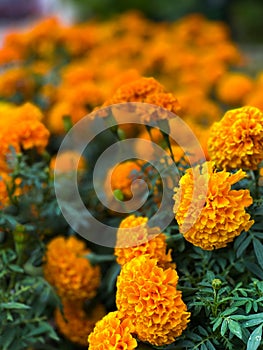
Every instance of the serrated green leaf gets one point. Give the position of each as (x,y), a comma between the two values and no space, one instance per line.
(255,339)
(258,249)
(235,328)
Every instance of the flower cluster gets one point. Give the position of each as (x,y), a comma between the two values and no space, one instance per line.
(129,293)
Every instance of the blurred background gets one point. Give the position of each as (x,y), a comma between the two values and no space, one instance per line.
(243,17)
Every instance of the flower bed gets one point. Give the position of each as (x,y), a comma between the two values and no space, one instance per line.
(159,127)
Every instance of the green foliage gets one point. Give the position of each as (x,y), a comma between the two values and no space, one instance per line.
(25,305)
(223,289)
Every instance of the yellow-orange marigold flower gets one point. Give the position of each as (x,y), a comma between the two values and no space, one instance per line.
(21,128)
(76,324)
(112,332)
(135,91)
(146,294)
(123,175)
(139,239)
(236,141)
(69,271)
(232,88)
(223,216)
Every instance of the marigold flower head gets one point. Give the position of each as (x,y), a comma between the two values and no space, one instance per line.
(223,216)
(112,332)
(135,238)
(236,141)
(147,295)
(123,175)
(21,128)
(146,90)
(16,80)
(136,91)
(76,324)
(233,87)
(69,271)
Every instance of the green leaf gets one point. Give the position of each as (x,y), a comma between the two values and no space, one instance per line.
(258,249)
(243,246)
(235,328)
(14,305)
(255,269)
(229,311)
(16,268)
(224,327)
(255,338)
(209,345)
(252,323)
(217,323)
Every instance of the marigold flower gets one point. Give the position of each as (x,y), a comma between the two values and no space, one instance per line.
(21,128)
(69,271)
(139,239)
(76,324)
(223,216)
(147,295)
(136,91)
(236,141)
(123,175)
(16,80)
(112,332)
(233,87)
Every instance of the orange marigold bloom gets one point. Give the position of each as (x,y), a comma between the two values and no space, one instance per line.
(69,271)
(223,216)
(236,141)
(16,80)
(147,90)
(139,239)
(112,332)
(76,324)
(136,91)
(165,100)
(147,295)
(21,128)
(232,88)
(123,175)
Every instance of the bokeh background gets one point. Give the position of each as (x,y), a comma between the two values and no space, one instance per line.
(243,17)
